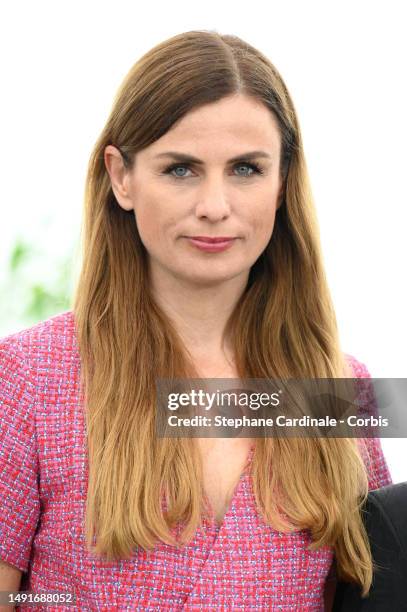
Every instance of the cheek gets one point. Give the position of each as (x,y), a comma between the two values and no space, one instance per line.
(153,222)
(146,221)
(262,221)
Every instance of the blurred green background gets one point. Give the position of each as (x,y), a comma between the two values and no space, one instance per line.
(34,284)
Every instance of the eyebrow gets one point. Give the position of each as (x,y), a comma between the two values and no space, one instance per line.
(184,157)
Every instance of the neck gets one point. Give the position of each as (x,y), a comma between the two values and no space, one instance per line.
(199,313)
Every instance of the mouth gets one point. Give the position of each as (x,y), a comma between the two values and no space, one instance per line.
(211,244)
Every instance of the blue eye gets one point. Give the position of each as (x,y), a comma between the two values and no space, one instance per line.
(171,168)
(255,169)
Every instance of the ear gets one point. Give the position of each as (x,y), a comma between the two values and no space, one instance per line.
(119,176)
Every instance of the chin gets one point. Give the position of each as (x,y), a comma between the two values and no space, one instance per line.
(212,277)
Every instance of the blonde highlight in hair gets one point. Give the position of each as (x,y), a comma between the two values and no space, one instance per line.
(141,487)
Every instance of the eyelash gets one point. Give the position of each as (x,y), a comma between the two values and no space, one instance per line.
(254,167)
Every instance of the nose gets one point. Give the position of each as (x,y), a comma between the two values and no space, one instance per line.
(212,203)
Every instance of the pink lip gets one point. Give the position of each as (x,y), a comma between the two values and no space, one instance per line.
(209,239)
(211,245)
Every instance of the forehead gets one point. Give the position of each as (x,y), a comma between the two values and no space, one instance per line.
(236,123)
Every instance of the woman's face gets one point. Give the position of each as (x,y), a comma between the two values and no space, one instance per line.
(230,190)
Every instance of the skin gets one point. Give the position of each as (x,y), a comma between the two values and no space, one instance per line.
(10,578)
(199,290)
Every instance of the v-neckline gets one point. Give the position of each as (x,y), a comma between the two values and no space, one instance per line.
(213,521)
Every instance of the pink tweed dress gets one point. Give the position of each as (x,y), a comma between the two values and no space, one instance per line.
(242,565)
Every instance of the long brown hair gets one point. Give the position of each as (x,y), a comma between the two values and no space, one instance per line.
(284,325)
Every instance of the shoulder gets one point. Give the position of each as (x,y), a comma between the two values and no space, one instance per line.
(58,328)
(40,355)
(358,368)
(43,342)
(370,448)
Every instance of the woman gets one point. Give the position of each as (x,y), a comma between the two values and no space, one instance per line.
(201,259)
